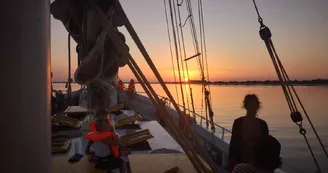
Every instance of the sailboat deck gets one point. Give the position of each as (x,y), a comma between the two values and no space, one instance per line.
(162,140)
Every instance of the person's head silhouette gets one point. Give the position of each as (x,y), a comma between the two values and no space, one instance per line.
(267,153)
(252,104)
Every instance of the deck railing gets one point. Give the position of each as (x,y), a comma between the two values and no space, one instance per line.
(220,131)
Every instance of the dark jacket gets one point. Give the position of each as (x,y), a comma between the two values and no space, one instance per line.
(235,148)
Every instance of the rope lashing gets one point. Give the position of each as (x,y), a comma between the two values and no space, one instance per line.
(296,116)
(210,110)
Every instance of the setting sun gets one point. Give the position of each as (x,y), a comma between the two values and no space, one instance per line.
(186,80)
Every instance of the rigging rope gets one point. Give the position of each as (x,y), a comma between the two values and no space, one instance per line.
(69,79)
(196,46)
(204,42)
(202,60)
(194,35)
(177,54)
(169,36)
(184,54)
(206,87)
(296,116)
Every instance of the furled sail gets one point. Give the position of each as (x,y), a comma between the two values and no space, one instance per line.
(101,62)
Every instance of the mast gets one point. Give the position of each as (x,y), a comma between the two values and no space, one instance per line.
(25,86)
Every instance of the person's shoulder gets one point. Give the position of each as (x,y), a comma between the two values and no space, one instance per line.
(239,119)
(262,121)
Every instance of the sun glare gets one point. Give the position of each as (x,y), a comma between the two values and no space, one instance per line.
(186,79)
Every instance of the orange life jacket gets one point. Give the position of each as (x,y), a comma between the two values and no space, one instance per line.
(131,86)
(121,86)
(93,124)
(99,136)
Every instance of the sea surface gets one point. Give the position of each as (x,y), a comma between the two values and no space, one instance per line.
(227,106)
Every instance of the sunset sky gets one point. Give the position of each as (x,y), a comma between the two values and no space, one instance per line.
(235,49)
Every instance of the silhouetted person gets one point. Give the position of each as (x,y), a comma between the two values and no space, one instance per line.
(121,92)
(131,91)
(246,131)
(266,157)
(121,86)
(132,86)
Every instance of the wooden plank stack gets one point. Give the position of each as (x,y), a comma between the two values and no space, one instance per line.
(136,137)
(60,147)
(115,107)
(127,120)
(76,112)
(66,121)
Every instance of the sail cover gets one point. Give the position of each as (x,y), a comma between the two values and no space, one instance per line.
(76,16)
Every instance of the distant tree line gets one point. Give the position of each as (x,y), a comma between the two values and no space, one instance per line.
(251,82)
(266,82)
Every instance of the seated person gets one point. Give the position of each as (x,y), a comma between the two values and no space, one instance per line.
(100,113)
(131,91)
(266,157)
(121,85)
(106,145)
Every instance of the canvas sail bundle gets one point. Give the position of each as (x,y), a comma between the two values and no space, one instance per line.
(101,62)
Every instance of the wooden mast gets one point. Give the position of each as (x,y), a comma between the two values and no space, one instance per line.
(25,86)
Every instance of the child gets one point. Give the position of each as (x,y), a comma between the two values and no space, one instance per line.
(100,113)
(106,145)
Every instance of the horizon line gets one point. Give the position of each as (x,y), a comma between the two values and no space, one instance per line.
(221,81)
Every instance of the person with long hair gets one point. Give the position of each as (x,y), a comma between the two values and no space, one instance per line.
(246,131)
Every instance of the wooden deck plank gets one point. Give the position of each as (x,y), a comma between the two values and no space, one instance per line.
(60,164)
(160,163)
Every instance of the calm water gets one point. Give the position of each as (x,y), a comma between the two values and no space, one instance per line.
(227,105)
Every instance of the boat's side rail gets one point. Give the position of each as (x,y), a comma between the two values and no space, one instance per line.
(221,132)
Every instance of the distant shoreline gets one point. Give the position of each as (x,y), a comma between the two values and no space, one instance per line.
(314,82)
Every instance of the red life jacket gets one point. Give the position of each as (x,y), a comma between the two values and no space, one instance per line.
(93,124)
(97,136)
